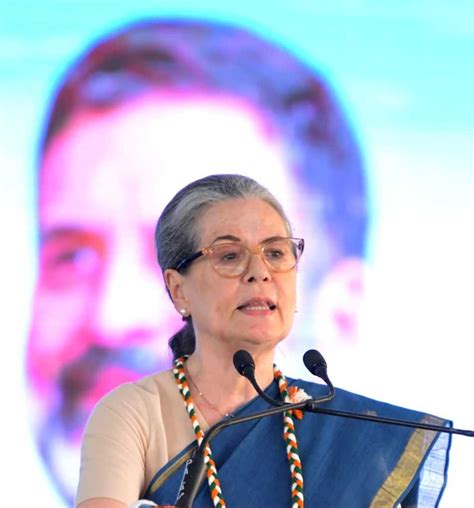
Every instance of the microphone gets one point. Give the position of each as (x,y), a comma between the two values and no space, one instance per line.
(314,361)
(316,364)
(244,364)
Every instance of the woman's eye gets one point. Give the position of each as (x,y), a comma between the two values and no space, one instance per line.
(230,256)
(275,253)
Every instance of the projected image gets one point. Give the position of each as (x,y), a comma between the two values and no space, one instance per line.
(143,112)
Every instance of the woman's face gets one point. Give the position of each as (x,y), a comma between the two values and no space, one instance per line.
(255,309)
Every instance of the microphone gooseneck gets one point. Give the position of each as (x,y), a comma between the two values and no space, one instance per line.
(316,364)
(245,366)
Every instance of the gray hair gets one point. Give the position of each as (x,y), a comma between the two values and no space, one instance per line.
(176,234)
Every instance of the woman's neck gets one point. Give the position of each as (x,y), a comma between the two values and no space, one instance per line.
(217,388)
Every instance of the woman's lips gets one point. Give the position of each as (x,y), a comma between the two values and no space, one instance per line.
(257,305)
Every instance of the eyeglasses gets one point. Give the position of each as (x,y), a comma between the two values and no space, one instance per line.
(232,259)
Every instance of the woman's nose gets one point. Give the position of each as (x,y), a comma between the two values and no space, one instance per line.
(257,269)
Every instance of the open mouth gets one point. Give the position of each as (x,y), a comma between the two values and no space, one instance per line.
(257,304)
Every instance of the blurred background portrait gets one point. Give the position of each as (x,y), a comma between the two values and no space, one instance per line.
(143,111)
(358,116)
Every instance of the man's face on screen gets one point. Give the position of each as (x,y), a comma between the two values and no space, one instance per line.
(101,315)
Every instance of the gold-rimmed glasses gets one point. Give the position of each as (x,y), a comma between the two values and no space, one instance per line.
(232,259)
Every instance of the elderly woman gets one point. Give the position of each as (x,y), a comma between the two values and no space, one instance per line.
(229,261)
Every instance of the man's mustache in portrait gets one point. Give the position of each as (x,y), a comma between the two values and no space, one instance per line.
(84,381)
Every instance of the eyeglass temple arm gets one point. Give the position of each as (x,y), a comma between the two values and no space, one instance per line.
(185,262)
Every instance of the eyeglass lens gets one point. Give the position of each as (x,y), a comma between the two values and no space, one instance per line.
(232,258)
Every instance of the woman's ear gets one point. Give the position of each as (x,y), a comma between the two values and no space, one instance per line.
(175,282)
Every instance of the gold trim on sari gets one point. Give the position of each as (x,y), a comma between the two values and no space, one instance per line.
(169,471)
(407,466)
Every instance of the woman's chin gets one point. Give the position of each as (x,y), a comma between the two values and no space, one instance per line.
(261,338)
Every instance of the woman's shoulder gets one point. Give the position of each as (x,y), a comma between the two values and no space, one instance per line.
(152,384)
(139,394)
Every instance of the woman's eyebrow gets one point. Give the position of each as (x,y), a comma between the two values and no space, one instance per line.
(272,238)
(231,238)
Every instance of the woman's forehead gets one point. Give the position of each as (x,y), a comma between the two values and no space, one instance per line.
(250,220)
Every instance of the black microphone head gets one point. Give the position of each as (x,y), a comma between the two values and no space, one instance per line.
(315,363)
(243,362)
